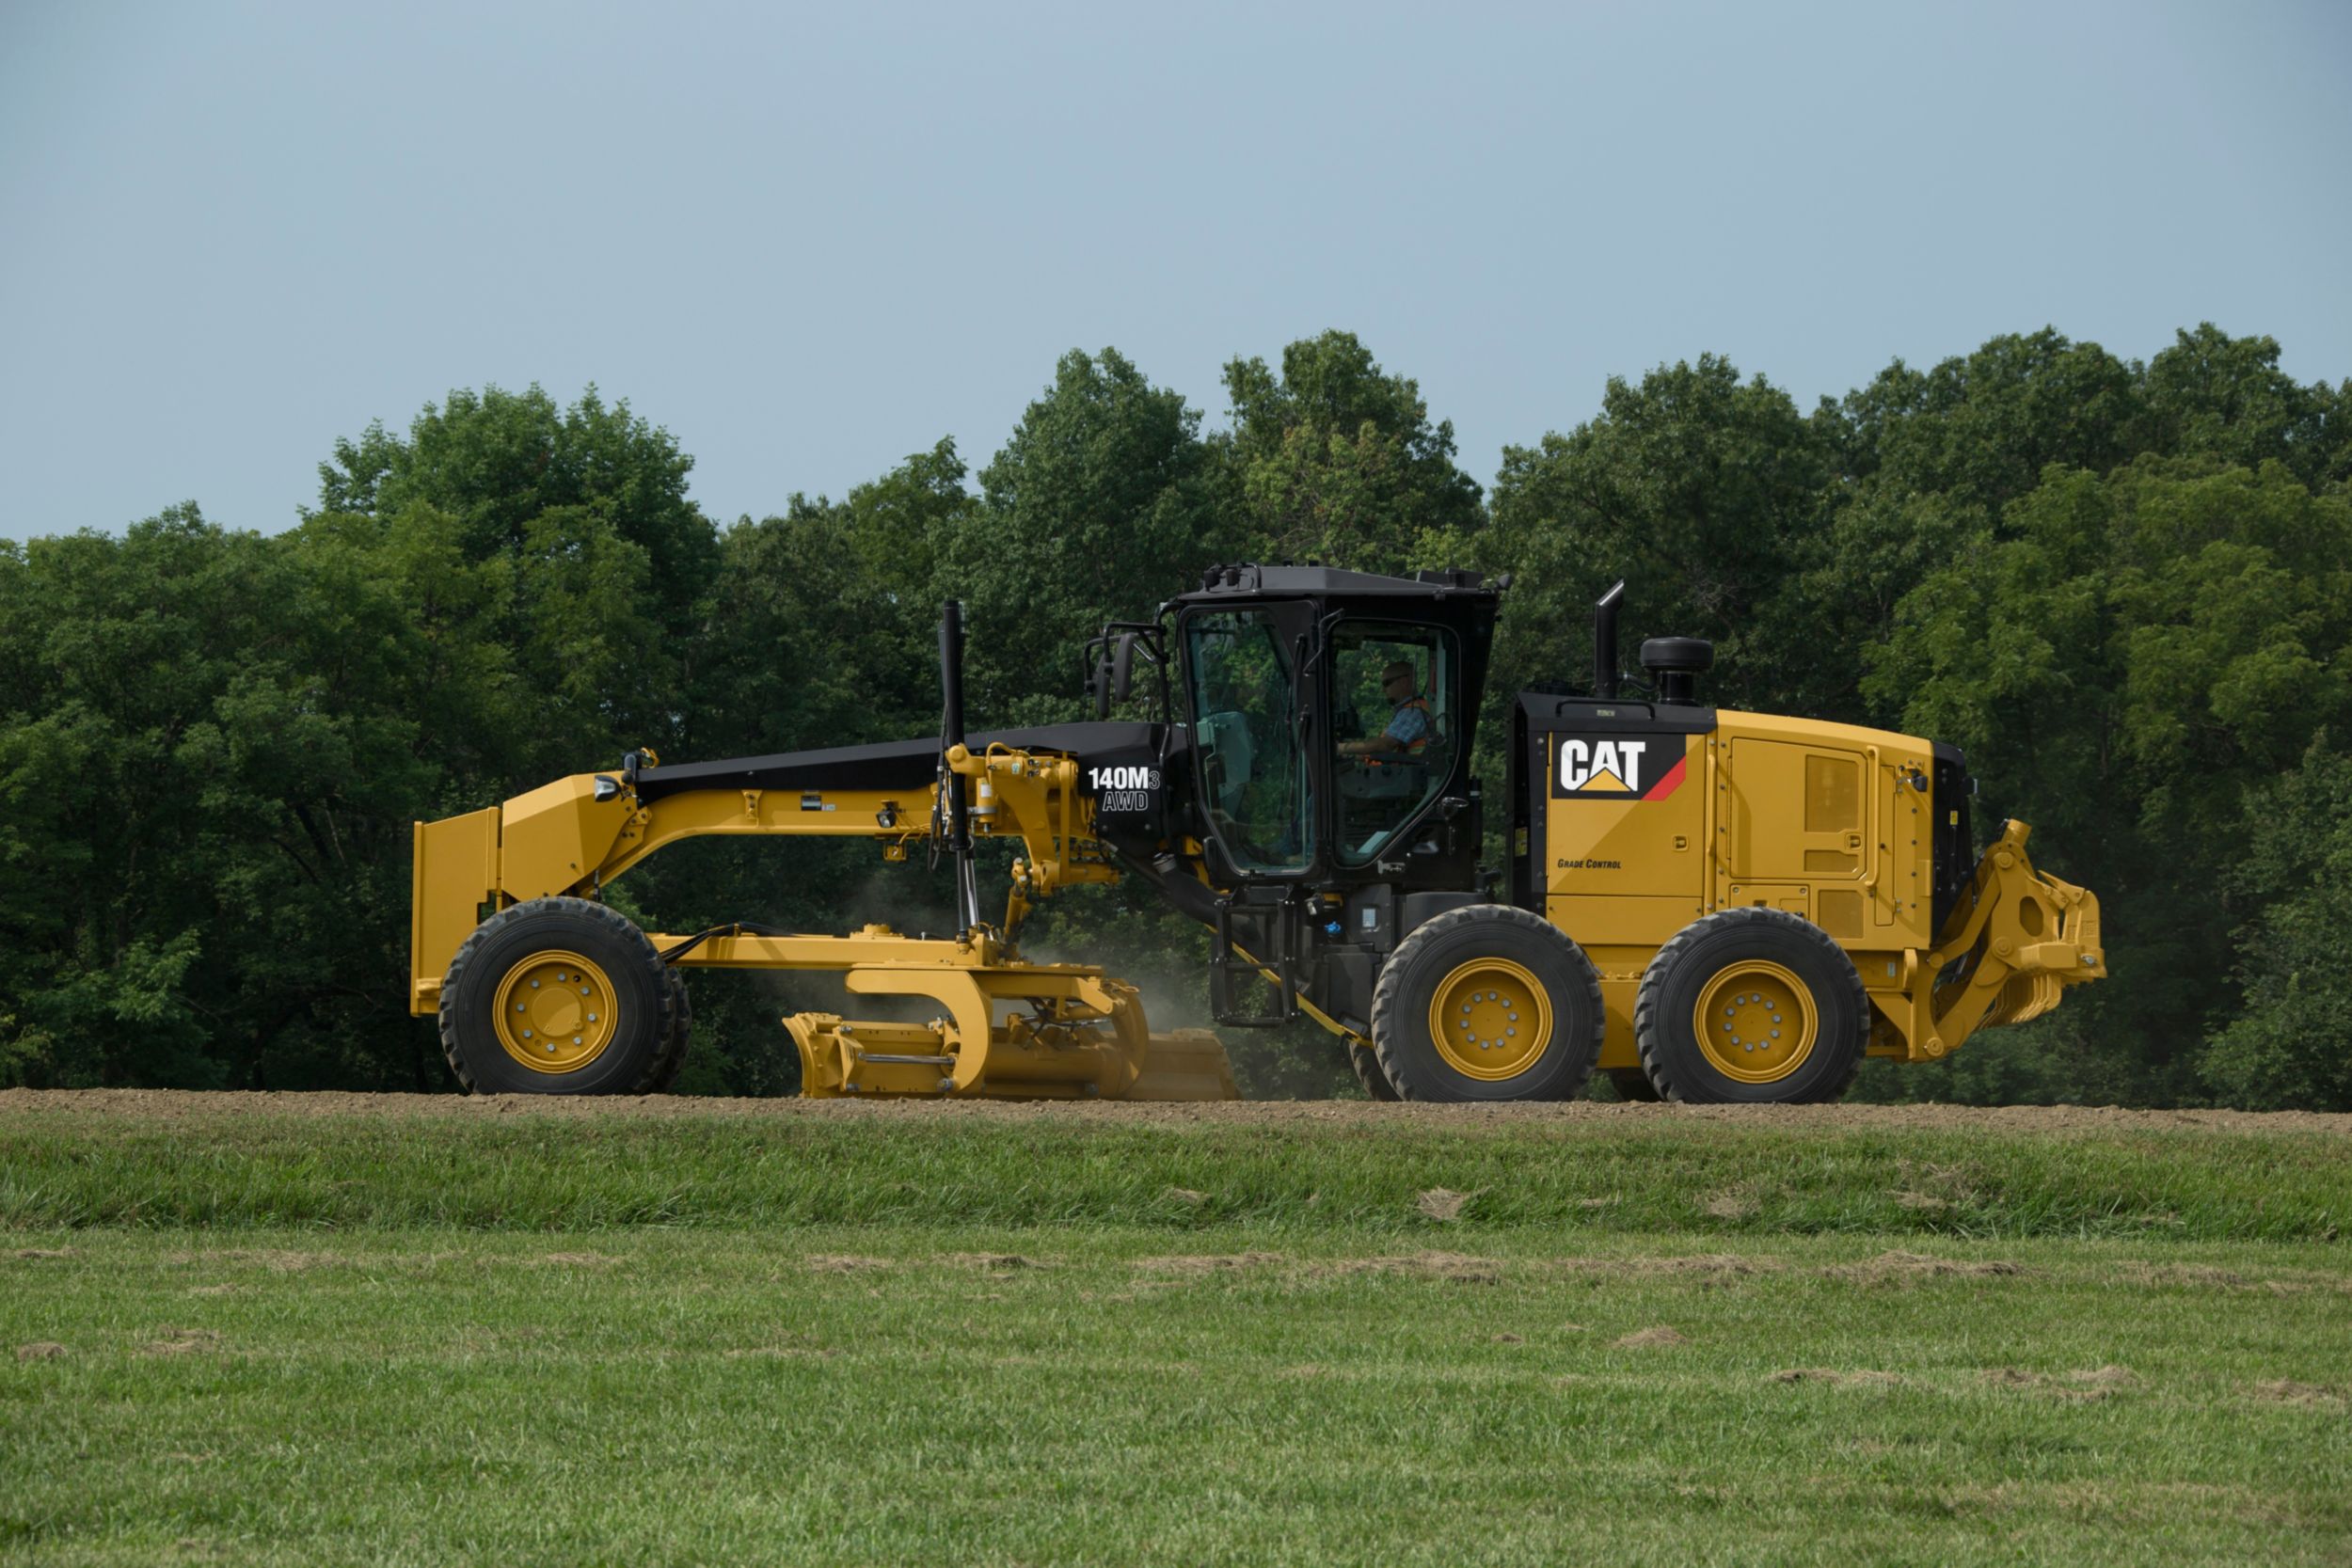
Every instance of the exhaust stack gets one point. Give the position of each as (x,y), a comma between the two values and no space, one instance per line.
(1605,642)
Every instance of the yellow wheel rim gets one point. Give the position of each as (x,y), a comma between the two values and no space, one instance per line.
(1491,1019)
(1756,1022)
(555,1012)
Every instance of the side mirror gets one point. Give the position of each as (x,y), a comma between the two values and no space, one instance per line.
(1114,674)
(1123,666)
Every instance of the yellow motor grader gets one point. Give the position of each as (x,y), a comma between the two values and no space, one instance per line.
(1706,906)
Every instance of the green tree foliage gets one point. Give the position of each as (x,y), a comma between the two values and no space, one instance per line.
(1981,429)
(2134,652)
(1335,460)
(576,525)
(2291,1045)
(206,768)
(1101,504)
(2126,589)
(824,618)
(505,464)
(1924,462)
(2216,396)
(1704,490)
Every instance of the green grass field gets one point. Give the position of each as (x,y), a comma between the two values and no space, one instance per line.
(327,1330)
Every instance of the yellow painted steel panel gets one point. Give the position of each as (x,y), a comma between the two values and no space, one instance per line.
(1833,793)
(1838,912)
(1621,922)
(1647,844)
(556,836)
(453,872)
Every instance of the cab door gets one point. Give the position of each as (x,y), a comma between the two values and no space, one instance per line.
(1243,689)
(1395,738)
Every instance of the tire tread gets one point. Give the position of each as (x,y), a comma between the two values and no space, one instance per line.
(1370,1074)
(1385,995)
(1663,963)
(666,986)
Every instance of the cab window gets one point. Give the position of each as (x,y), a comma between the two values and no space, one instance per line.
(1245,735)
(1392,700)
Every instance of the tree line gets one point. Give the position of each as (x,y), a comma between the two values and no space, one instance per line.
(2123,587)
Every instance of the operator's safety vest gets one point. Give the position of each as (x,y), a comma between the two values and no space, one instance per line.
(1414,747)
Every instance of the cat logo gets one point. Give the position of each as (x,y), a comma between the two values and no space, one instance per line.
(1617,767)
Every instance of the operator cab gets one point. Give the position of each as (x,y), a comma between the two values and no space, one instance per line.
(1330,717)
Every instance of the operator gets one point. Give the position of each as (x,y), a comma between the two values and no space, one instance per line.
(1409,726)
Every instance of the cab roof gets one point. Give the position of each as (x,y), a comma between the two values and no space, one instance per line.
(1251,580)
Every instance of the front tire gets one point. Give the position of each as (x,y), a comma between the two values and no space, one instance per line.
(558,996)
(1367,1065)
(1487,1001)
(1750,1006)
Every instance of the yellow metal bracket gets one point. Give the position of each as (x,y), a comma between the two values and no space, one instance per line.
(2017,940)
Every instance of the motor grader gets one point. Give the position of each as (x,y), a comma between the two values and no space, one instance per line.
(1706,906)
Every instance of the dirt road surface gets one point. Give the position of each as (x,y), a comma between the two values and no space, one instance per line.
(2055,1120)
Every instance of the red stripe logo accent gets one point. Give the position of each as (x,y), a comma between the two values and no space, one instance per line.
(1667,785)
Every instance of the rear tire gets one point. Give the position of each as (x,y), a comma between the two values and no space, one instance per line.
(1830,1094)
(1487,1001)
(558,996)
(1750,1006)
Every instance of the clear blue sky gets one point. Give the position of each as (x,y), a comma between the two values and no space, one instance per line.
(811,240)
